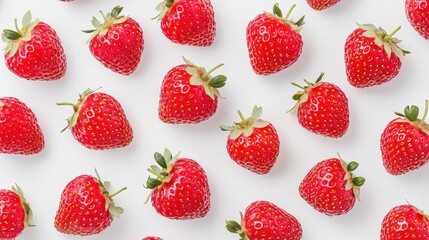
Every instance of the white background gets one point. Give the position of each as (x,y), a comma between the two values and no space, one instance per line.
(43,176)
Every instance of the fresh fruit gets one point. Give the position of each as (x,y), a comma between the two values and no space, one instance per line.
(330,186)
(322,4)
(405,222)
(417,12)
(189,94)
(322,108)
(86,206)
(15,213)
(19,131)
(152,238)
(117,42)
(180,189)
(372,57)
(253,143)
(273,41)
(265,220)
(34,52)
(404,142)
(188,22)
(99,122)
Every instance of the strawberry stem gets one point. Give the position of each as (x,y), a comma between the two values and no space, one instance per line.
(426,110)
(116,193)
(290,11)
(241,115)
(212,70)
(17,27)
(392,33)
(299,86)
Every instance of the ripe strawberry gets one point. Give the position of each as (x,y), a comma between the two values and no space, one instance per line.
(265,220)
(189,94)
(86,206)
(322,108)
(405,222)
(15,213)
(253,143)
(19,131)
(117,42)
(152,238)
(180,189)
(99,122)
(404,142)
(322,4)
(368,56)
(274,42)
(34,52)
(188,22)
(330,187)
(417,12)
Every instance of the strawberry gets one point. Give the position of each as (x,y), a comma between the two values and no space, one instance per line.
(368,56)
(330,186)
(117,42)
(34,52)
(189,94)
(19,131)
(273,42)
(15,213)
(322,108)
(265,220)
(405,222)
(322,4)
(188,22)
(417,12)
(180,189)
(404,142)
(152,238)
(99,122)
(86,206)
(253,143)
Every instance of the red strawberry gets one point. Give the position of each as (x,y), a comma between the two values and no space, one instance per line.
(180,189)
(274,42)
(19,131)
(265,220)
(418,15)
(117,42)
(253,143)
(330,187)
(99,122)
(15,213)
(188,22)
(405,222)
(322,108)
(152,238)
(368,56)
(404,142)
(86,206)
(34,52)
(322,4)
(189,94)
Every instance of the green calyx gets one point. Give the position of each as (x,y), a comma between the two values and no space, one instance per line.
(411,113)
(297,26)
(235,227)
(71,121)
(109,19)
(352,182)
(166,162)
(14,38)
(382,39)
(28,212)
(163,8)
(199,76)
(110,204)
(302,95)
(246,125)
